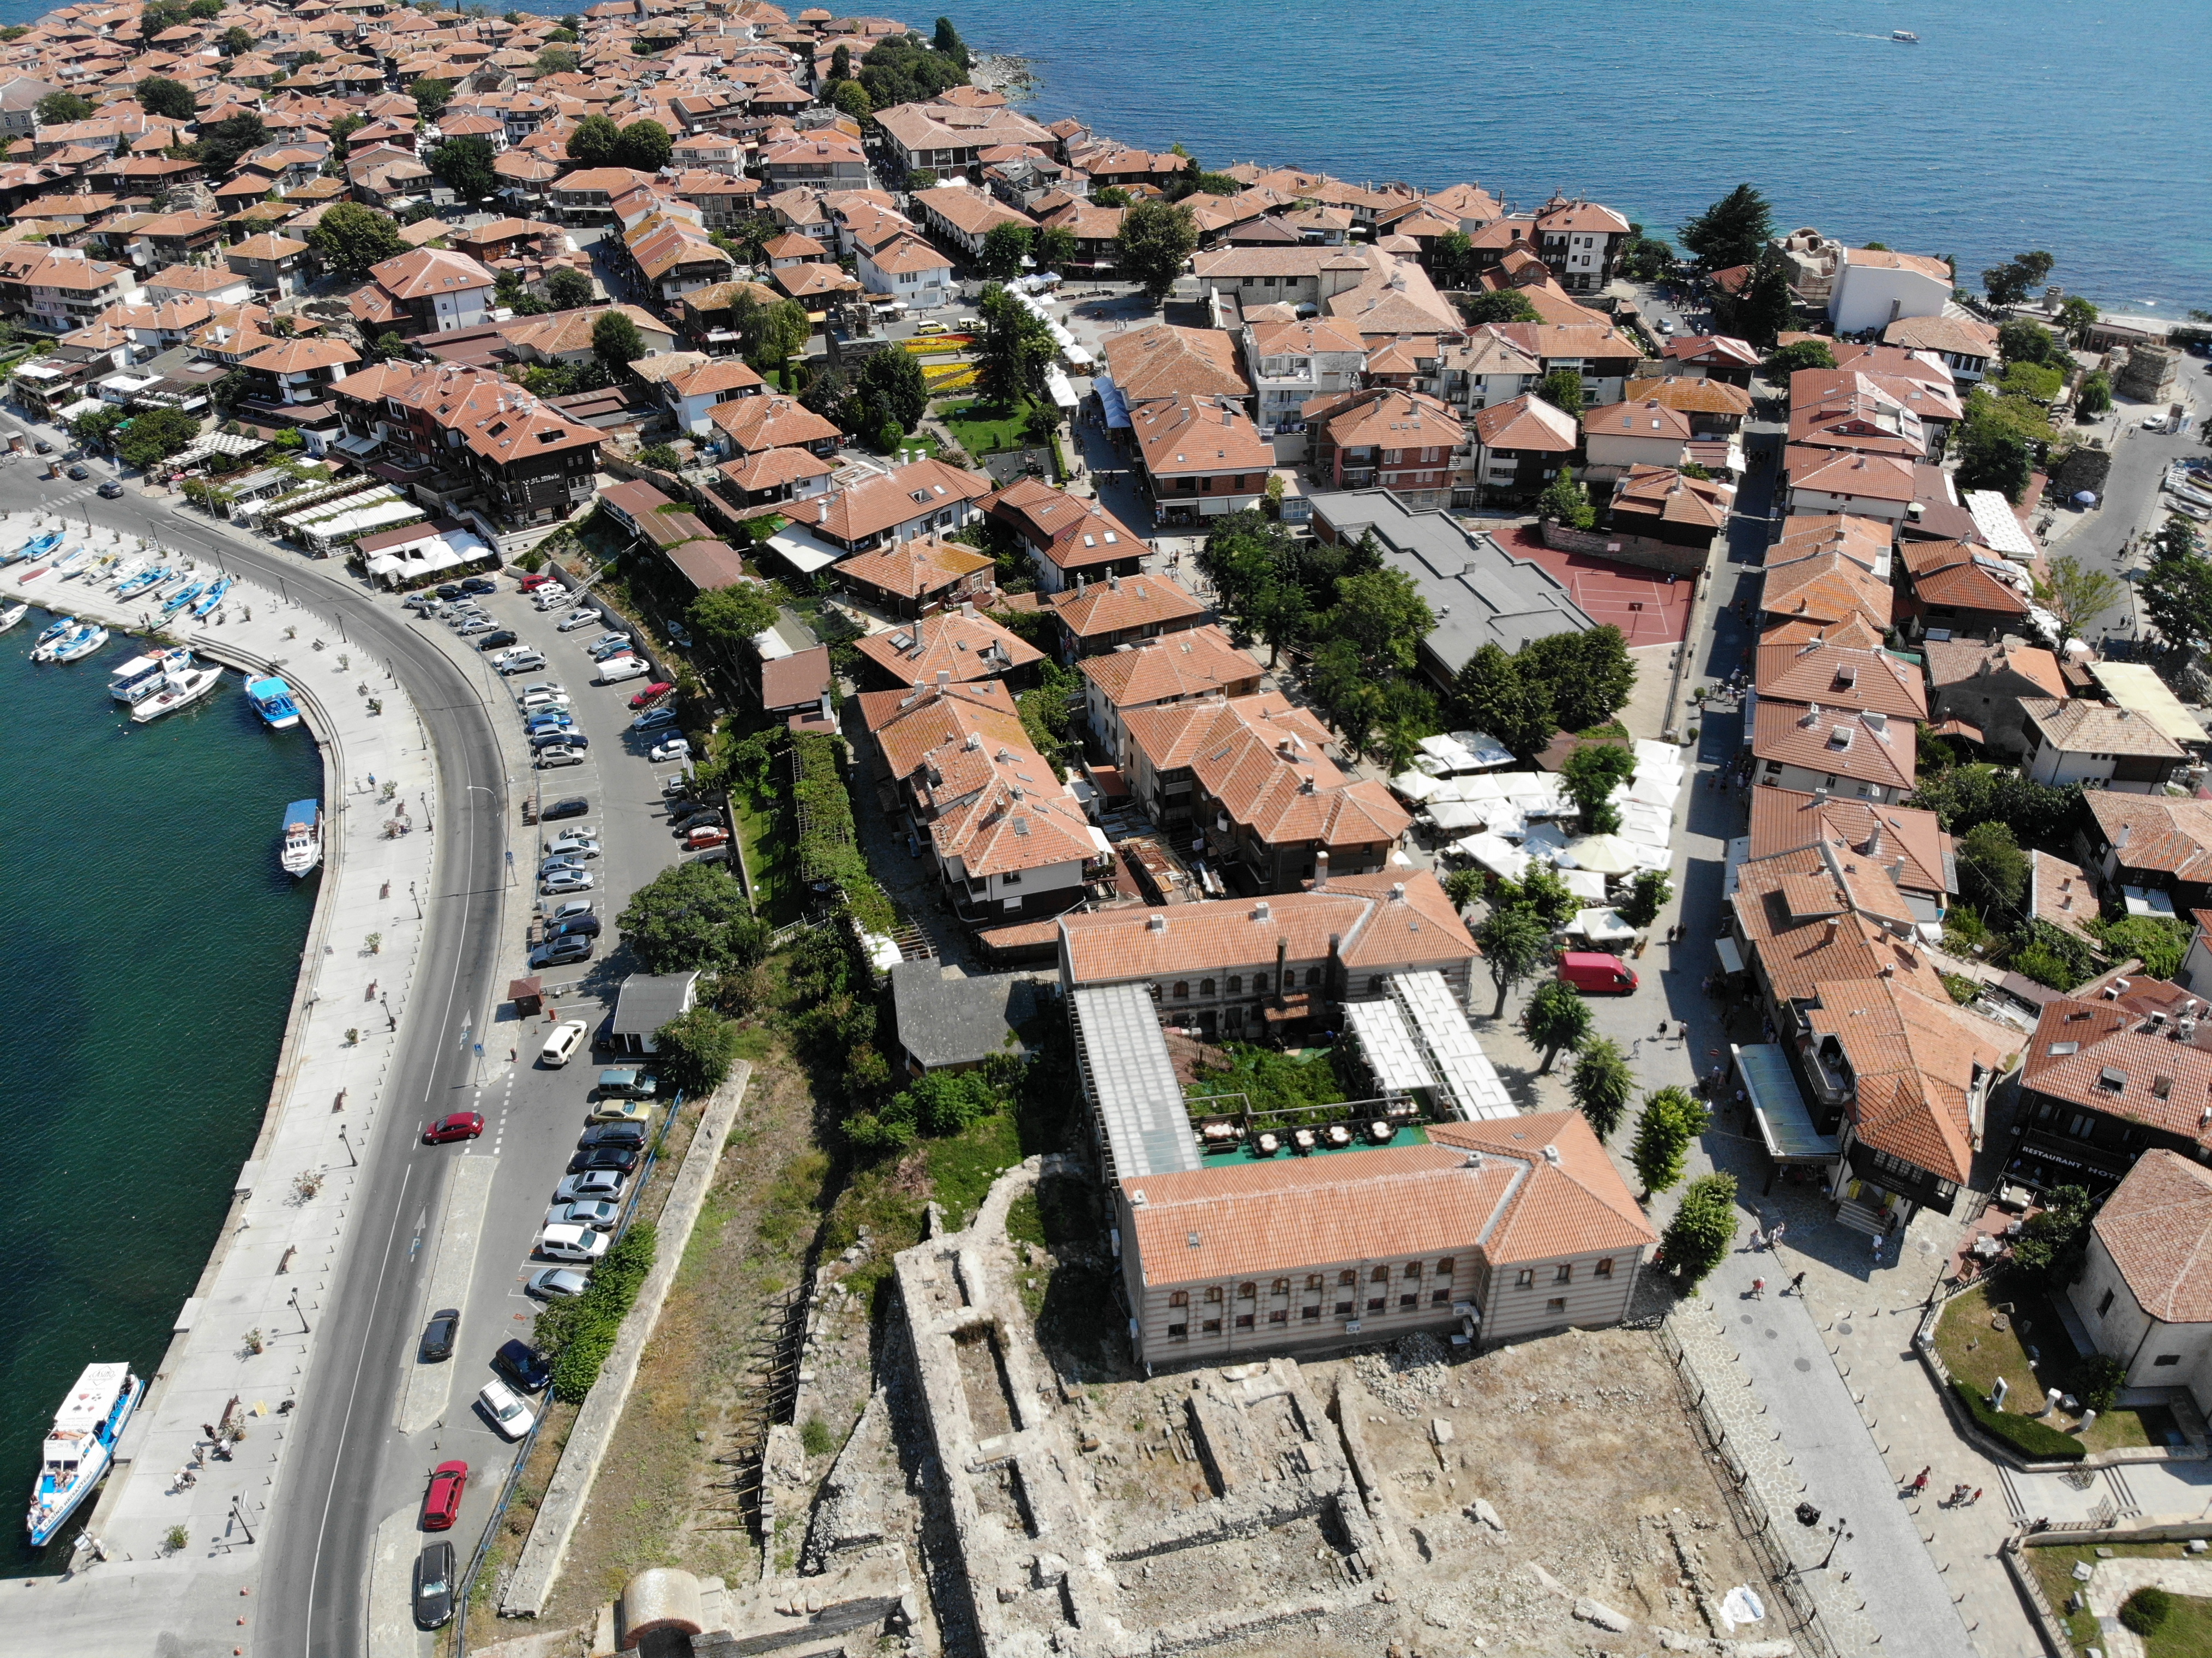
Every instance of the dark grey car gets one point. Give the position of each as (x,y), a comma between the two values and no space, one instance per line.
(438,1335)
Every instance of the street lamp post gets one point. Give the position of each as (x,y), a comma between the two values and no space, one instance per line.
(296,1313)
(1836,1535)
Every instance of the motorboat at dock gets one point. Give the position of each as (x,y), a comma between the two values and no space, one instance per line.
(302,846)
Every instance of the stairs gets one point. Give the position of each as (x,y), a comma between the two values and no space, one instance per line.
(1860,1218)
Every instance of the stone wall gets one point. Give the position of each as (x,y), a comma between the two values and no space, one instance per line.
(2149,375)
(1624,549)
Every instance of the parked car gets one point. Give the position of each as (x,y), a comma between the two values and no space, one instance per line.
(43,448)
(545,688)
(547,865)
(680,634)
(578,840)
(622,668)
(675,749)
(1596,973)
(574,741)
(624,1159)
(707,835)
(476,625)
(522,1364)
(583,618)
(479,584)
(652,720)
(450,591)
(508,1413)
(495,640)
(111,491)
(551,719)
(580,926)
(566,1038)
(613,1110)
(434,1586)
(574,807)
(599,1215)
(611,1133)
(460,1126)
(606,641)
(548,759)
(676,788)
(525,663)
(555,1284)
(568,909)
(441,1502)
(684,821)
(567,1242)
(438,1335)
(559,952)
(592,1186)
(79,473)
(628,1083)
(532,580)
(569,879)
(652,693)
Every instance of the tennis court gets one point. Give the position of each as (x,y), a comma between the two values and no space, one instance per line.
(1643,604)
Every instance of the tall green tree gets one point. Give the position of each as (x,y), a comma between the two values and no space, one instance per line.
(892,383)
(947,43)
(2076,316)
(1765,306)
(615,339)
(1492,694)
(159,95)
(431,97)
(557,60)
(1702,1229)
(236,41)
(1451,259)
(1601,1084)
(1557,1016)
(2011,282)
(1515,944)
(1587,677)
(1991,458)
(1155,239)
(594,142)
(2093,397)
(1784,361)
(1056,248)
(1016,348)
(1735,230)
(730,618)
(1992,869)
(1671,1120)
(1563,500)
(1004,246)
(693,917)
(62,109)
(851,98)
(464,166)
(1591,772)
(1562,389)
(2177,596)
(156,435)
(222,142)
(1647,895)
(2077,594)
(643,147)
(351,238)
(697,1050)
(1382,615)
(568,290)
(1505,305)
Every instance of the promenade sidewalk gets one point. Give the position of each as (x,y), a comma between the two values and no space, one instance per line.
(281,1240)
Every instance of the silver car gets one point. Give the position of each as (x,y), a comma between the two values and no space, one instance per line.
(581,619)
(599,1213)
(475,624)
(555,1284)
(594,1186)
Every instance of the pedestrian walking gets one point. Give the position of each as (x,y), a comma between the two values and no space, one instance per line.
(1774,1237)
(1877,1249)
(1757,1238)
(1975,1499)
(1920,1479)
(1759,1288)
(1797,1286)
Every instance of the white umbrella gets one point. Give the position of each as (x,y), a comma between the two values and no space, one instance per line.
(1452,814)
(1415,786)
(1545,841)
(1479,787)
(1600,923)
(1583,883)
(1497,856)
(1609,854)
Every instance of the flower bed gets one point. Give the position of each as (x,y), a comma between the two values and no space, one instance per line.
(934,345)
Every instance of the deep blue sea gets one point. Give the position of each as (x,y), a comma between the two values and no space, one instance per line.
(2079,126)
(152,945)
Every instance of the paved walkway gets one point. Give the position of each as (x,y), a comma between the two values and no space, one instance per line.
(262,1287)
(2111,1583)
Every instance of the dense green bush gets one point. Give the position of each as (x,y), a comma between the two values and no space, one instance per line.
(2146,1609)
(581,1333)
(2030,1438)
(828,850)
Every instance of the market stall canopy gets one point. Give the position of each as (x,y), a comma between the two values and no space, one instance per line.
(1601,926)
(1584,884)
(1609,854)
(1497,856)
(1454,815)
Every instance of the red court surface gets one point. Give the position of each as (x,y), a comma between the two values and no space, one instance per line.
(1640,603)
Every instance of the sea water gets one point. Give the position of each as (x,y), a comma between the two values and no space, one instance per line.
(149,947)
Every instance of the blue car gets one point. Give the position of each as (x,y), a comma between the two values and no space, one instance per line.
(479,584)
(548,722)
(571,739)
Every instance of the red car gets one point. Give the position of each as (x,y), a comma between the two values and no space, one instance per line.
(707,835)
(532,582)
(441,1504)
(652,693)
(461,1125)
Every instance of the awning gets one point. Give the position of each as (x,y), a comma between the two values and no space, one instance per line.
(1731,957)
(1111,404)
(1957,728)
(352,443)
(2147,901)
(1099,843)
(1779,1109)
(1058,388)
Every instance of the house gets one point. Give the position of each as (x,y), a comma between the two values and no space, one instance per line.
(1192,665)
(646,1002)
(1164,361)
(1066,536)
(1958,591)
(1104,615)
(948,138)
(691,392)
(906,267)
(2096,745)
(1906,841)
(1838,676)
(2152,844)
(1826,481)
(956,642)
(299,371)
(797,686)
(1096,230)
(427,291)
(565,336)
(1716,409)
(1520,446)
(276,265)
(67,288)
(1870,412)
(2063,894)
(2105,1082)
(746,426)
(1818,747)
(1980,685)
(912,576)
(1667,508)
(2145,1289)
(1621,435)
(1965,345)
(2137,686)
(1874,286)
(1580,241)
(1291,363)
(1293,275)
(949,1021)
(823,155)
(873,504)
(216,284)
(1490,367)
(963,215)
(768,476)
(1201,457)
(1712,356)
(1402,441)
(587,196)
(1513,1230)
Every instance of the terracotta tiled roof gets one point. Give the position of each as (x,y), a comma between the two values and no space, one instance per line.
(1952,573)
(1195,662)
(1023,820)
(1833,675)
(1789,820)
(1301,338)
(2170,836)
(768,469)
(1957,661)
(1284,793)
(1856,476)
(2080,726)
(1865,541)
(1384,418)
(966,647)
(1697,396)
(2063,894)
(1962,336)
(880,501)
(1826,588)
(915,568)
(770,423)
(1868,748)
(1884,258)
(1074,531)
(909,726)
(296,356)
(1916,1061)
(2112,1059)
(2157,1227)
(1170,736)
(1671,496)
(1646,417)
(1122,604)
(1184,435)
(1799,953)
(428,271)
(1160,361)
(1528,423)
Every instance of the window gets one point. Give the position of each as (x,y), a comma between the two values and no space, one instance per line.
(1211,1327)
(1408,1303)
(1213,1292)
(1313,978)
(1279,1315)
(2167,1358)
(1444,1267)
(1178,1331)
(1012,878)
(1380,1275)
(1556,1304)
(1182,990)
(2081,1124)
(1205,986)
(1236,984)
(1244,1321)
(1603,1268)
(1313,1280)
(1439,1298)
(2105,1303)
(1344,1309)
(1312,1314)
(1180,1298)
(1246,1290)
(1374,984)
(1281,1286)
(1525,1279)
(1347,1276)
(1259,984)
(1377,1303)
(1563,1274)
(1412,1269)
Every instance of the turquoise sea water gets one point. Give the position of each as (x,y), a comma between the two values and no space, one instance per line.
(149,946)
(2081,127)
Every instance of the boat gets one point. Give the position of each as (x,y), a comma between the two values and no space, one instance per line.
(185,596)
(80,645)
(12,615)
(141,582)
(50,650)
(210,599)
(57,631)
(36,547)
(1904,35)
(303,837)
(183,685)
(141,675)
(273,700)
(81,1445)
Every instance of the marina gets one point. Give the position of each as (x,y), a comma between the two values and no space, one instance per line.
(272,700)
(80,1445)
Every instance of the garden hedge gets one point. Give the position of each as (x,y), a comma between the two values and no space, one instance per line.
(2030,1438)
(584,1328)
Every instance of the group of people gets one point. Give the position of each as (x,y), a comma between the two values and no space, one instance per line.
(1963,1496)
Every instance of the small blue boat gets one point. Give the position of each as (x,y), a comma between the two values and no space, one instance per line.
(212,597)
(142,580)
(37,547)
(273,700)
(54,633)
(171,606)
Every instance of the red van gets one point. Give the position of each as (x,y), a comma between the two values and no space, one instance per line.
(1597,974)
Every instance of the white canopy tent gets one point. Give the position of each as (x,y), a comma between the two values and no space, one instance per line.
(1497,856)
(1601,926)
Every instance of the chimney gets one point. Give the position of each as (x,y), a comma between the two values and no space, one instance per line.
(1114,580)
(1551,1156)
(1282,966)
(1078,584)
(943,680)
(1320,869)
(1263,911)
(1156,922)
(1398,892)
(825,709)
(2120,840)
(1835,926)
(1872,847)
(967,609)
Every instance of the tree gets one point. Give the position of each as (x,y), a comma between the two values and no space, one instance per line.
(2011,282)
(1765,306)
(393,347)
(1515,944)
(1702,1230)
(1591,772)
(2175,538)
(1601,1084)
(1645,258)
(769,333)
(557,60)
(1383,617)
(2159,942)
(1993,459)
(1587,677)
(1155,239)
(693,917)
(840,63)
(567,289)
(697,1050)
(1786,360)
(2177,596)
(60,108)
(1005,247)
(2077,594)
(1506,305)
(594,142)
(730,618)
(351,238)
(156,435)
(1492,696)
(1992,869)
(1647,895)
(947,43)
(1733,231)
(851,98)
(1464,886)
(1562,389)
(615,339)
(2076,316)
(95,429)
(644,147)
(1671,1120)
(224,141)
(2053,1242)
(2093,397)
(1557,1016)
(431,97)
(892,383)
(1565,502)
(236,41)
(463,165)
(1056,248)
(2020,340)
(1015,350)
(1451,259)
(159,95)
(902,69)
